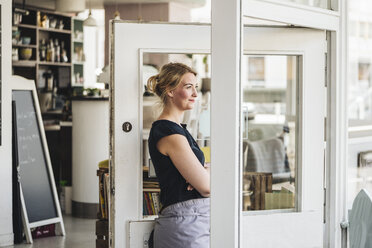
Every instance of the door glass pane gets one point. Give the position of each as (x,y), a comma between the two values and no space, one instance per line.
(269,116)
(197,119)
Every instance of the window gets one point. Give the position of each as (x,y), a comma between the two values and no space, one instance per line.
(94,44)
(270,116)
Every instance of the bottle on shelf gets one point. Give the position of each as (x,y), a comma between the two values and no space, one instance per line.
(54,93)
(51,52)
(64,57)
(44,21)
(57,51)
(48,80)
(43,50)
(38,19)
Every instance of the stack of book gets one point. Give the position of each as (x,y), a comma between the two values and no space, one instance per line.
(102,231)
(151,192)
(104,190)
(151,203)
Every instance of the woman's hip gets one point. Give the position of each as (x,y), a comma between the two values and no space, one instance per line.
(184,224)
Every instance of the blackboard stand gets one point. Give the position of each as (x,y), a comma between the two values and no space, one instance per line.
(38,193)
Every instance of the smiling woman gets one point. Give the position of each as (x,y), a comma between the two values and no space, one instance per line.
(179,163)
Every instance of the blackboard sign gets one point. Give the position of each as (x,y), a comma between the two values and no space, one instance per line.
(36,185)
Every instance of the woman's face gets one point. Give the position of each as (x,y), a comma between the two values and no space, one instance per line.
(184,96)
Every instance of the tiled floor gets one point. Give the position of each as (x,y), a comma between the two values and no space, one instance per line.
(80,233)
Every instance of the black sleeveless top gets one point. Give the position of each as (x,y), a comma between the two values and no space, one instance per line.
(173,187)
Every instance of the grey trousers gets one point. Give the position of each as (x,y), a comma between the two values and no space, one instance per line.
(184,225)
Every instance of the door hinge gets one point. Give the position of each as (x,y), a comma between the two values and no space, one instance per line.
(325,70)
(325,128)
(344,225)
(325,206)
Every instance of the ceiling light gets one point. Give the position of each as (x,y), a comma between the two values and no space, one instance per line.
(90,21)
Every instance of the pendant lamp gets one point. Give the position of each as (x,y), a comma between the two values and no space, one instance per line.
(90,21)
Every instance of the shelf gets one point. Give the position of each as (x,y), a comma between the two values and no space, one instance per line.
(78,41)
(54,63)
(53,112)
(78,62)
(52,127)
(26,46)
(24,63)
(151,190)
(150,217)
(54,30)
(25,26)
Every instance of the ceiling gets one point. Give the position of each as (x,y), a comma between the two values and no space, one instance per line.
(98,4)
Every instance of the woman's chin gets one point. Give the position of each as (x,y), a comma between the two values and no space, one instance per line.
(190,106)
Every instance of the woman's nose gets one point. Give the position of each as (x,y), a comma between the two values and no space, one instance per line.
(195,92)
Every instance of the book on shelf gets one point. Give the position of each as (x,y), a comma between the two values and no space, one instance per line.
(107,192)
(156,200)
(151,203)
(103,192)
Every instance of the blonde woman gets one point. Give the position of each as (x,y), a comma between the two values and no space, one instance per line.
(179,163)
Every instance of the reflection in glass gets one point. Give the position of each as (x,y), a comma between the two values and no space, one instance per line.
(197,119)
(269,114)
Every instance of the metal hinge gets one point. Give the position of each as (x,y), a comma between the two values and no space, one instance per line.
(325,70)
(325,206)
(344,225)
(325,128)
(113,191)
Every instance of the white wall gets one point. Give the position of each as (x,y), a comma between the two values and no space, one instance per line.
(6,225)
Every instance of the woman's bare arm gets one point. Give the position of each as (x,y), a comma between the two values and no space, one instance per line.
(178,149)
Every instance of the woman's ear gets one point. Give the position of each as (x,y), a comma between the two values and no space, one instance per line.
(170,93)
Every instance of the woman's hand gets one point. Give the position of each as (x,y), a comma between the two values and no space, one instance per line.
(189,187)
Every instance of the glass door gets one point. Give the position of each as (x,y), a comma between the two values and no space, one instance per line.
(283,111)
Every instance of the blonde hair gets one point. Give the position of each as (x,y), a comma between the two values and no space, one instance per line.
(168,79)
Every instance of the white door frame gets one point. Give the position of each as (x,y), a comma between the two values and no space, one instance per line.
(227,19)
(125,172)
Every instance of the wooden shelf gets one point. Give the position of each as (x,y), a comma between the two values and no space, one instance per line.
(24,63)
(78,62)
(54,63)
(53,112)
(31,27)
(23,45)
(150,217)
(54,30)
(25,26)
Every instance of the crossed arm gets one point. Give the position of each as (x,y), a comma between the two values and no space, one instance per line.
(178,149)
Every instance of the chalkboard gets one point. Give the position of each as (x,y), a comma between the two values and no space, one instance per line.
(35,179)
